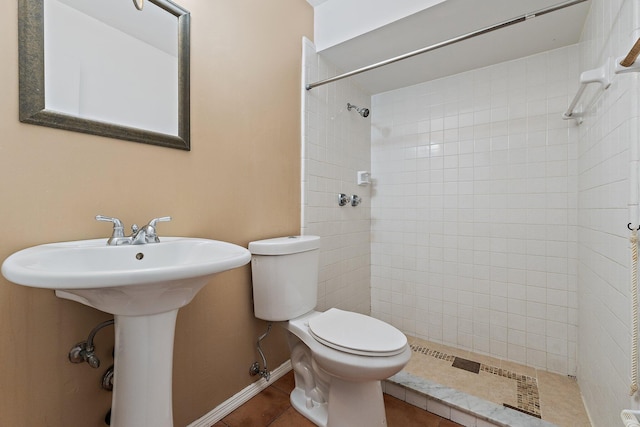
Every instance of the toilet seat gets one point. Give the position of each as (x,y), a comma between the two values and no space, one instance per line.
(356,333)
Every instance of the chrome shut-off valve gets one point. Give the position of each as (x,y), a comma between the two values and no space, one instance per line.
(355,200)
(82,352)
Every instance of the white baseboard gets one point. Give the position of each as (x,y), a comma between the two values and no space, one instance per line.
(235,401)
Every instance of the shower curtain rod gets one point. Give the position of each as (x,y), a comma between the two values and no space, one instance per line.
(454,40)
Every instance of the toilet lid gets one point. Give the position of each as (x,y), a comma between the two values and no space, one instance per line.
(356,333)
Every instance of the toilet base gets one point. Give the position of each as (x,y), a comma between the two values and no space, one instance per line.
(353,404)
(317,413)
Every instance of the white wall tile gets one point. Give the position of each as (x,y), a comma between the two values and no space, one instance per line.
(416,399)
(509,178)
(602,269)
(463,418)
(395,390)
(439,408)
(336,144)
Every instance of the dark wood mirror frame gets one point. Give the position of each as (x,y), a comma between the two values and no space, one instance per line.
(32,82)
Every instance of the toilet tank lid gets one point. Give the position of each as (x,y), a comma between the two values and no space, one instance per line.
(284,245)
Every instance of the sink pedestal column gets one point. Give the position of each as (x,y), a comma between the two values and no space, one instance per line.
(143,369)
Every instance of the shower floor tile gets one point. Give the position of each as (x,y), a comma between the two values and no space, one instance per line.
(551,397)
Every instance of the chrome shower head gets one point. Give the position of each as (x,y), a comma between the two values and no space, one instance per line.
(364,112)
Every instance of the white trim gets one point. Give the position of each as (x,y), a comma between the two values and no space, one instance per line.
(235,401)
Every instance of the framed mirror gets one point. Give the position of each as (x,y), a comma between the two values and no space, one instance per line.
(106,68)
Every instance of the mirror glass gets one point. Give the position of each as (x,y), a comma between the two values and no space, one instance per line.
(106,68)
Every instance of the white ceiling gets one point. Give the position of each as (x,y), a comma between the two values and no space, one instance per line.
(445,21)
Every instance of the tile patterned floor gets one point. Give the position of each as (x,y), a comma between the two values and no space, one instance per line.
(551,397)
(272,408)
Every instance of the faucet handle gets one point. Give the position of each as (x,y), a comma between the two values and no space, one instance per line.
(151,236)
(154,221)
(118,228)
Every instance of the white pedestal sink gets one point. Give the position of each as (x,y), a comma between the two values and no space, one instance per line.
(143,286)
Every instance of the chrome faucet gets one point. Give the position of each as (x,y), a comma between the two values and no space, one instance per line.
(139,236)
(147,234)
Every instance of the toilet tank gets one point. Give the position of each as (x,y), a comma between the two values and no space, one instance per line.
(285,276)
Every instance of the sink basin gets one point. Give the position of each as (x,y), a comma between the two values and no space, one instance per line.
(143,286)
(127,280)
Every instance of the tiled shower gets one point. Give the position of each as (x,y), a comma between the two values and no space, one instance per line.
(492,224)
(474,221)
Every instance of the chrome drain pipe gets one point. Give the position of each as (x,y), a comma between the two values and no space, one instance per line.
(107,379)
(255,367)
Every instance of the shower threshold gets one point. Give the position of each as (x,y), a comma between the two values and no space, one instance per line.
(456,405)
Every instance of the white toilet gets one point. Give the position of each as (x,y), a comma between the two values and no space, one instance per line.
(338,357)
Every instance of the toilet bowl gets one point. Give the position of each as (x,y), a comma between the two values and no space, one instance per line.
(374,359)
(339,357)
(341,387)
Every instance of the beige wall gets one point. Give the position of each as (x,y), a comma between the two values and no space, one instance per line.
(239,183)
